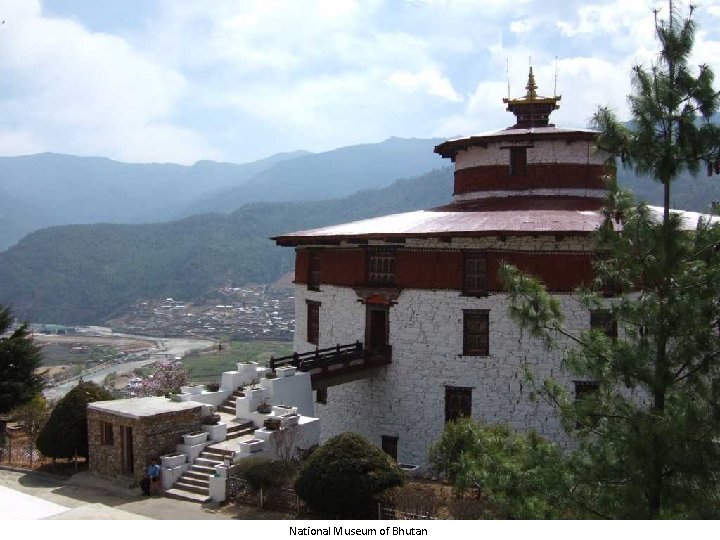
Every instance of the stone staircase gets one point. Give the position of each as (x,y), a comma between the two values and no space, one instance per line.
(228,405)
(194,484)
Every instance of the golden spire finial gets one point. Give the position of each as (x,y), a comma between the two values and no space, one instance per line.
(531,86)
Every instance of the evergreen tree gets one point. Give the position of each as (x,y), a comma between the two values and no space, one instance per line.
(65,434)
(518,476)
(671,111)
(19,360)
(648,435)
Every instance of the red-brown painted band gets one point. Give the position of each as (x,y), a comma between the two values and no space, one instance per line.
(440,269)
(537,176)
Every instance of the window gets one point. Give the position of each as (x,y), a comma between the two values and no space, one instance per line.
(313,281)
(390,446)
(321,396)
(381,267)
(475,273)
(458,402)
(313,322)
(605,322)
(518,160)
(476,335)
(584,389)
(106,434)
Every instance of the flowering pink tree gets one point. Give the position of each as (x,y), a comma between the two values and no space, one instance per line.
(166,378)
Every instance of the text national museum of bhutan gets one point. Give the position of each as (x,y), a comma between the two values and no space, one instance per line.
(422,288)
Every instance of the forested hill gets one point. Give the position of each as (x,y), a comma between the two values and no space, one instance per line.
(80,274)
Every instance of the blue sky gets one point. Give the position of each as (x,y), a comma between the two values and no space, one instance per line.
(183,80)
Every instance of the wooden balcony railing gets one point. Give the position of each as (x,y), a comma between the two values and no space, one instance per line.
(337,360)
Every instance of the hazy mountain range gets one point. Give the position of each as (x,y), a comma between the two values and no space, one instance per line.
(53,189)
(89,273)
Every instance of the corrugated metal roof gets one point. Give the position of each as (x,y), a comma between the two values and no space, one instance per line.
(531,216)
(518,215)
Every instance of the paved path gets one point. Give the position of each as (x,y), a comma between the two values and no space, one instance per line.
(52,497)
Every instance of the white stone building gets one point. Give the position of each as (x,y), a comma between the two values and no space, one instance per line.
(421,290)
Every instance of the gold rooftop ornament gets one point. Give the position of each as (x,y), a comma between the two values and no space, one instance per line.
(532,110)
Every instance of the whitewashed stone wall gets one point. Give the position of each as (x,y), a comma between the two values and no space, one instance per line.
(426,333)
(555,151)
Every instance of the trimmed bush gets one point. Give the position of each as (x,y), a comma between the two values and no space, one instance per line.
(345,476)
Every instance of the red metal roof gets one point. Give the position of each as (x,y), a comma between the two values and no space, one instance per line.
(513,215)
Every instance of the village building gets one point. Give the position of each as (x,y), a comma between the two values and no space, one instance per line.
(420,291)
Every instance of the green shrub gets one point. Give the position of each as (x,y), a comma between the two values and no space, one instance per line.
(265,474)
(344,477)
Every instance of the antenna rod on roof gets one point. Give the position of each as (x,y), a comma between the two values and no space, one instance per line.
(507,73)
(556,77)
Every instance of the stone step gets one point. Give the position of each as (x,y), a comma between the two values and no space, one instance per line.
(215,455)
(238,434)
(205,462)
(227,409)
(202,469)
(183,495)
(203,483)
(195,475)
(240,426)
(192,488)
(219,453)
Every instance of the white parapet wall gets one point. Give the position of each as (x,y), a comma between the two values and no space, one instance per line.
(295,390)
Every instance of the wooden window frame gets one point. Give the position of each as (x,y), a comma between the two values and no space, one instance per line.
(389,445)
(585,388)
(382,267)
(314,271)
(603,320)
(313,322)
(518,160)
(460,392)
(483,315)
(472,276)
(107,436)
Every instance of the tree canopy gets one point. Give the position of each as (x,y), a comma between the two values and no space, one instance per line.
(65,433)
(19,360)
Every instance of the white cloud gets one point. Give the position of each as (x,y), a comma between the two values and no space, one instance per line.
(90,93)
(428,80)
(239,80)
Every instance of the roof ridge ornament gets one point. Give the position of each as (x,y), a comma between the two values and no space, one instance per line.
(532,110)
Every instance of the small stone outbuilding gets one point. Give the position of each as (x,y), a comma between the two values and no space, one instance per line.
(126,434)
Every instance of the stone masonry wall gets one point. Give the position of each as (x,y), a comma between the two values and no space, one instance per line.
(426,333)
(152,437)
